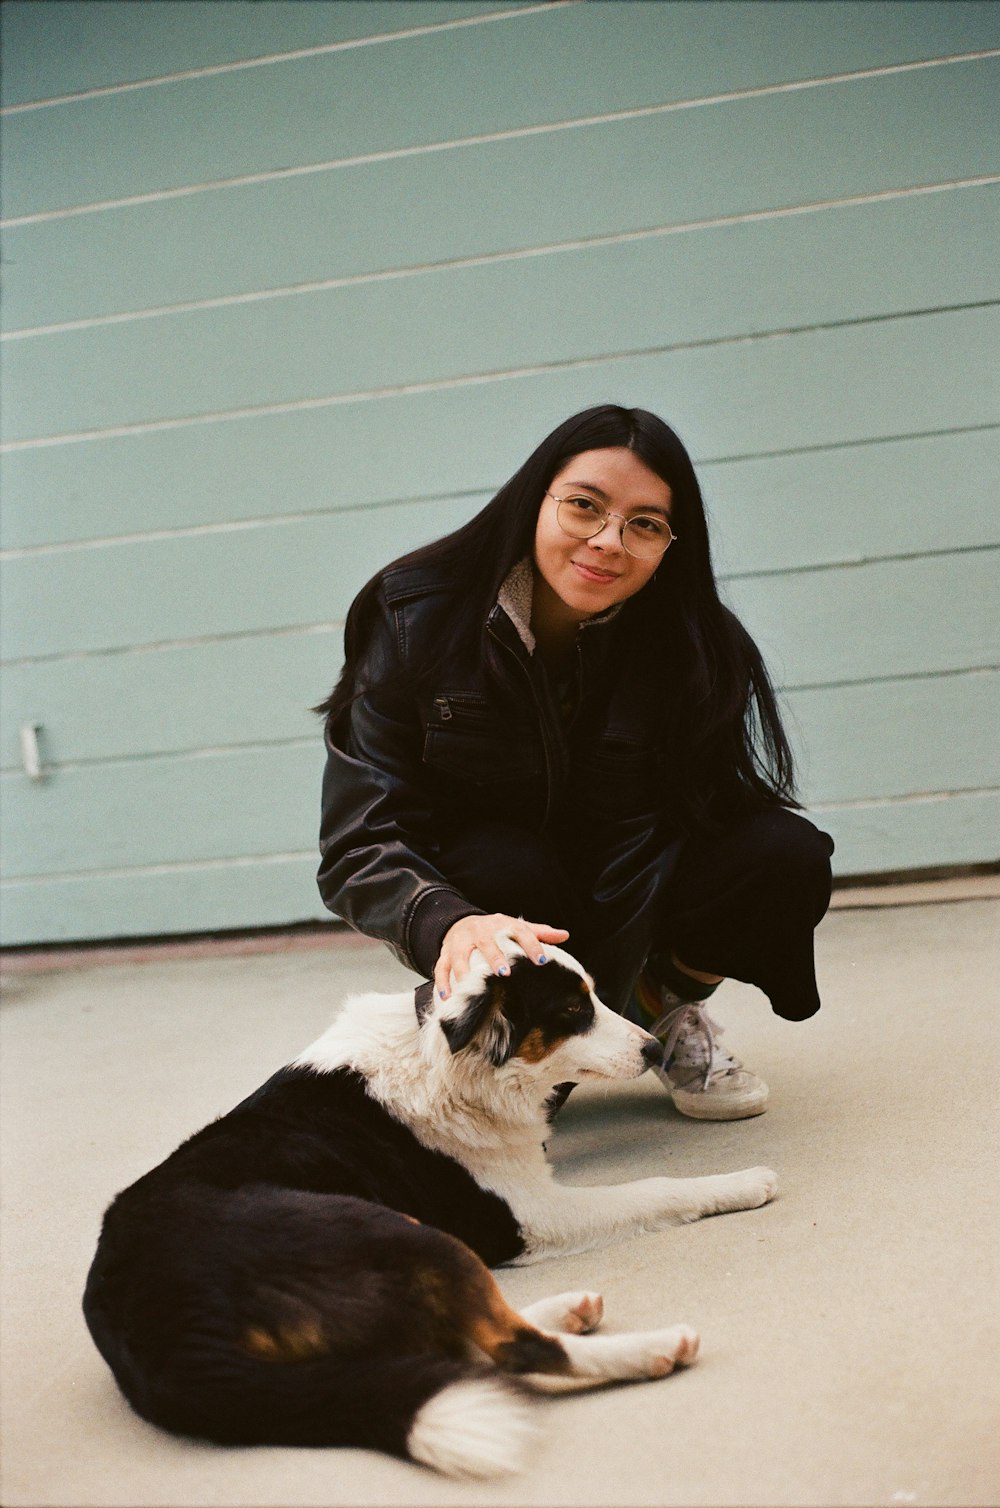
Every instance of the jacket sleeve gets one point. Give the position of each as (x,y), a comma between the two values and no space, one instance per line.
(375,871)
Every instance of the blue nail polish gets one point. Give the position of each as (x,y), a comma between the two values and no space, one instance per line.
(542,958)
(503,969)
(443,994)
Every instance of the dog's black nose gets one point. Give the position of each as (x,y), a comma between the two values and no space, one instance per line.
(652,1052)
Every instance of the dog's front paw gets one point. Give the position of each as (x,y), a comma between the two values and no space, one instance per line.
(724,1192)
(751,1188)
(763,1184)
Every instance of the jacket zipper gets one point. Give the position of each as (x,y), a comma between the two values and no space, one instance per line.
(543,723)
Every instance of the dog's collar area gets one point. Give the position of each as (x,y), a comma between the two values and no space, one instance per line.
(423,997)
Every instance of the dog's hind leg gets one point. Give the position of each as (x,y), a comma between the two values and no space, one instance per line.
(550,1362)
(598,1360)
(632,1357)
(570,1313)
(518,1345)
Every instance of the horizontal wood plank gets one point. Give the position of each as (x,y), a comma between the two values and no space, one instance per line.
(63,46)
(939,831)
(736,281)
(121,595)
(896,738)
(533,70)
(230,804)
(255,893)
(236,691)
(901,497)
(753,155)
(880,619)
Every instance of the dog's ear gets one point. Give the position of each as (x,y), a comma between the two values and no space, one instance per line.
(484,1012)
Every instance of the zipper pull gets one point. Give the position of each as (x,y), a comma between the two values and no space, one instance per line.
(441,703)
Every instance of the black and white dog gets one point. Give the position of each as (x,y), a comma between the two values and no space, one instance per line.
(312,1268)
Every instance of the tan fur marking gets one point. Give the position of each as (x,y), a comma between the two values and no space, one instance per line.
(286,1342)
(534,1047)
(495,1323)
(433,1291)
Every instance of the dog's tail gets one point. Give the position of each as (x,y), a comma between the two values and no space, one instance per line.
(479,1425)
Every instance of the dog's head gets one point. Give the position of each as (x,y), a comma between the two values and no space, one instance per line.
(542,1019)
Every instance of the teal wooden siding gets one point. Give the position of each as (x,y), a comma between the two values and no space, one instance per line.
(292,287)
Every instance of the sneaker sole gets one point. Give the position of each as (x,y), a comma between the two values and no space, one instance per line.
(705,1107)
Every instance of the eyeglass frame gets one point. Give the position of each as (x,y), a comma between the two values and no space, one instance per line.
(608,514)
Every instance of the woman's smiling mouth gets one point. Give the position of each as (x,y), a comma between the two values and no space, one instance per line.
(594,574)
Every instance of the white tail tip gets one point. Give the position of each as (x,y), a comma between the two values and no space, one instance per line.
(478,1428)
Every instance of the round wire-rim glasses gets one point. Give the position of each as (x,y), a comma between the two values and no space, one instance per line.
(642,535)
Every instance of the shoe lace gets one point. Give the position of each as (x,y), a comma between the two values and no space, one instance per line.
(690,1039)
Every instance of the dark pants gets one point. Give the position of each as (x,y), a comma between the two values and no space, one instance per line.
(743,904)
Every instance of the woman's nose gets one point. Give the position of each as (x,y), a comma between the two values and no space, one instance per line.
(605,540)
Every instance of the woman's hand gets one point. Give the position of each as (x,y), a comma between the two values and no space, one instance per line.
(463,938)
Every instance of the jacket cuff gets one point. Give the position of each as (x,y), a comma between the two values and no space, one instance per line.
(435,911)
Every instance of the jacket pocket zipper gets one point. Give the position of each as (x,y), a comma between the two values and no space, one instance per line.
(461,705)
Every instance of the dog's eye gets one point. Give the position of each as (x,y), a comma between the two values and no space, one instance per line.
(575,1008)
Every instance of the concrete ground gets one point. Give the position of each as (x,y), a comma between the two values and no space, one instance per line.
(850,1330)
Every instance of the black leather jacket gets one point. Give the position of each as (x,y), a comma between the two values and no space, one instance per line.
(488,740)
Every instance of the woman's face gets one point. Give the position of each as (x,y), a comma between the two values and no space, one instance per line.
(583,577)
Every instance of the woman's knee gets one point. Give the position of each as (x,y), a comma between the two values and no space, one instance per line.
(774,857)
(791,856)
(788,841)
(746,902)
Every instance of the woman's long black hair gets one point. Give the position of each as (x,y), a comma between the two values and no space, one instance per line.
(727,744)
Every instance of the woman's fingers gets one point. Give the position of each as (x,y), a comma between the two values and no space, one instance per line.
(532,936)
(479,933)
(441,973)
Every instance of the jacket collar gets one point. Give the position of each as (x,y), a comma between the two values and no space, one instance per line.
(515,598)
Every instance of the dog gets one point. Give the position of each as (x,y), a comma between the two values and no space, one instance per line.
(313,1267)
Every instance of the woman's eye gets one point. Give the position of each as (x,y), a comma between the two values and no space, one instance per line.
(585,505)
(653,526)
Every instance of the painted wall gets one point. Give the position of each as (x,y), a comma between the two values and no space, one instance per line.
(291,287)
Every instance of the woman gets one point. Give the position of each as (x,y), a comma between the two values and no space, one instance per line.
(550,714)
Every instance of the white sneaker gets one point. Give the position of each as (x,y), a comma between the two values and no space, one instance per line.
(703,1079)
